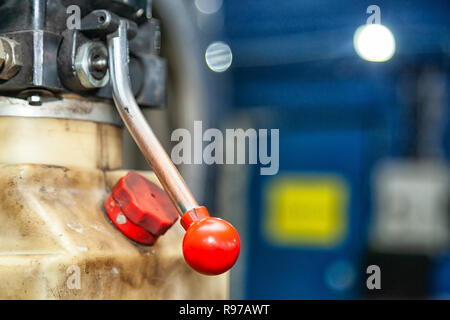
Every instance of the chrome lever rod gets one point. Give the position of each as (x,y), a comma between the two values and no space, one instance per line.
(140,130)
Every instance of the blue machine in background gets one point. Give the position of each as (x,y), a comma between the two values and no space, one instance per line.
(310,271)
(294,68)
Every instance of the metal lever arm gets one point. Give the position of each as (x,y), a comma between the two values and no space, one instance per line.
(210,245)
(140,130)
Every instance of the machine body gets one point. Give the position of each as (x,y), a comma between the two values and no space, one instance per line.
(57,84)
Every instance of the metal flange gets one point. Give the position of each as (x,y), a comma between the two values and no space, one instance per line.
(66,108)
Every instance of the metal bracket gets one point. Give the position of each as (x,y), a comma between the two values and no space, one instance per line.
(45,60)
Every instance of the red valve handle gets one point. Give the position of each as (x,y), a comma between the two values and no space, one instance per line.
(143,212)
(211,245)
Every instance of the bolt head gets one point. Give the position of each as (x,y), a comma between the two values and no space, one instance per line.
(10,58)
(130,230)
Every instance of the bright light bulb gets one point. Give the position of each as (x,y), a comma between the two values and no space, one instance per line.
(374,42)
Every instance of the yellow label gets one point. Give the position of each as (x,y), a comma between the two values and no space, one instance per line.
(306,210)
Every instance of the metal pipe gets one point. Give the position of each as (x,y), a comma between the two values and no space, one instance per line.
(140,130)
(38,12)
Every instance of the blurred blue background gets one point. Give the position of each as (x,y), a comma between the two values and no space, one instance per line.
(364,147)
(295,68)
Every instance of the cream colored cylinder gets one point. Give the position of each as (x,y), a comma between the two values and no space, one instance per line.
(55,240)
(60,142)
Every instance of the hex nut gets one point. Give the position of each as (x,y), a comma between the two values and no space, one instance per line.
(34,100)
(144,203)
(10,58)
(82,65)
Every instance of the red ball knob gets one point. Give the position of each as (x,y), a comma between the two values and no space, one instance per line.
(211,245)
